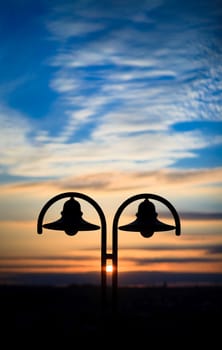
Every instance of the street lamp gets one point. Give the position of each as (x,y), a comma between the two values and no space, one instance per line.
(146,224)
(71,222)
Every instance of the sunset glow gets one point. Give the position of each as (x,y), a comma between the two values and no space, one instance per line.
(109,268)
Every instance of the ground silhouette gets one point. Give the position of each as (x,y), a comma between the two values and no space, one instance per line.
(34,316)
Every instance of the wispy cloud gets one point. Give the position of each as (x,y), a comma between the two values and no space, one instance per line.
(67,27)
(121,92)
(118,181)
(108,145)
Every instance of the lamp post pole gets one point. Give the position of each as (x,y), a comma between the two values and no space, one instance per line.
(115,236)
(103,232)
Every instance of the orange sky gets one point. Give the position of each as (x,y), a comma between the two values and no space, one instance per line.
(25,253)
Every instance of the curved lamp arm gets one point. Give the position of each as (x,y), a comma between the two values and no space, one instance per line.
(70,194)
(147,196)
(115,230)
(103,230)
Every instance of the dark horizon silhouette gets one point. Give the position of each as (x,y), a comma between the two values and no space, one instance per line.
(126,279)
(39,315)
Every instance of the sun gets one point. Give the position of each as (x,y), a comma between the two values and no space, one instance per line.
(109,268)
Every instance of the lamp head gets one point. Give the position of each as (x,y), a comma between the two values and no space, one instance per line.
(146,222)
(71,220)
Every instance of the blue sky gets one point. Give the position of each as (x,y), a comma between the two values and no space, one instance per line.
(111,98)
(94,75)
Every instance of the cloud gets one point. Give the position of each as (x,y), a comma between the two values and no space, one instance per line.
(36,263)
(120,92)
(178,260)
(118,180)
(111,181)
(197,247)
(217,249)
(119,144)
(201,216)
(65,28)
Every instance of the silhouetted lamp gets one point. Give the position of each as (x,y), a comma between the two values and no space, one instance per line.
(71,220)
(146,222)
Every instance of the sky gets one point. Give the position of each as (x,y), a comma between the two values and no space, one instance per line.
(111,99)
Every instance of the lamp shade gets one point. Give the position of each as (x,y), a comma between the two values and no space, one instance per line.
(71,220)
(146,222)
